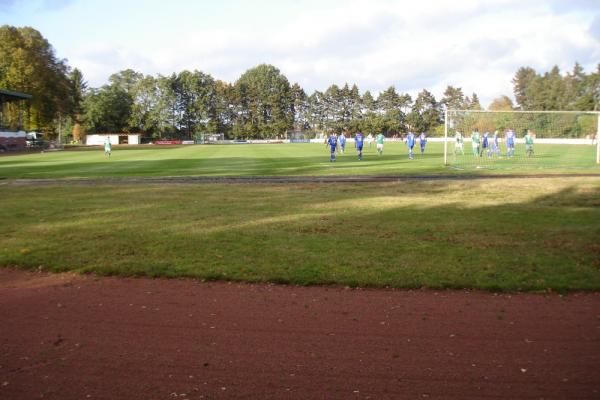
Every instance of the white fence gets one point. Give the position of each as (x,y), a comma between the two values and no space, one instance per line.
(98,140)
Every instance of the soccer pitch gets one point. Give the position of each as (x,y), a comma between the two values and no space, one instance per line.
(286,160)
(530,233)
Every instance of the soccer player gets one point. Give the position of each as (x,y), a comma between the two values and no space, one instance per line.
(359,140)
(332,142)
(107,147)
(495,147)
(369,139)
(529,144)
(410,142)
(342,142)
(458,143)
(510,143)
(380,139)
(475,141)
(485,145)
(422,142)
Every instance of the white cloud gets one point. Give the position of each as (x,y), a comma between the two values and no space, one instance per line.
(476,45)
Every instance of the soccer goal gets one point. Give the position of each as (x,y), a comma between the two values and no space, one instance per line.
(515,139)
(209,138)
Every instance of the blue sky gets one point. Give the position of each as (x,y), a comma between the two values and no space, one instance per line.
(476,45)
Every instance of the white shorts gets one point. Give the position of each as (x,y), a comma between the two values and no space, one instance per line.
(379,146)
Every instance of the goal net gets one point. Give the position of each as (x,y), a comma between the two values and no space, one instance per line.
(209,138)
(517,139)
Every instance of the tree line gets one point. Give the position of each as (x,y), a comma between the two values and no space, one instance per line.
(261,103)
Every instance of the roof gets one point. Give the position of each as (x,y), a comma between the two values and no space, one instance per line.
(8,95)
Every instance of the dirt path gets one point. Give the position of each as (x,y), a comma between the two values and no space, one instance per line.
(198,180)
(73,337)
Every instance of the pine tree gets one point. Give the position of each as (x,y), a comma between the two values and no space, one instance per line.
(78,87)
(474,103)
(368,103)
(453,98)
(299,107)
(521,82)
(426,113)
(575,88)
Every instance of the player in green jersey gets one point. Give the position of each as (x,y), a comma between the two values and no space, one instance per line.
(529,144)
(380,139)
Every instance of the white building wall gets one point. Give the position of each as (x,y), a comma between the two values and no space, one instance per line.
(98,140)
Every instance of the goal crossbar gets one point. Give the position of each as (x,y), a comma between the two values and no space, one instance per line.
(524,112)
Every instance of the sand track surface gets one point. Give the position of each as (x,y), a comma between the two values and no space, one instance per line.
(65,336)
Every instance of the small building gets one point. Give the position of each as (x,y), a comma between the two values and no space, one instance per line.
(115,138)
(11,140)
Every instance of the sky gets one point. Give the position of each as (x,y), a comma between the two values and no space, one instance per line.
(412,45)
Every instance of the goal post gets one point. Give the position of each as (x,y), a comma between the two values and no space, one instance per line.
(598,140)
(446,137)
(513,139)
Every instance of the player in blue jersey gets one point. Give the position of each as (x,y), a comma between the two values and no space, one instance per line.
(422,142)
(332,143)
(359,141)
(342,142)
(485,145)
(410,142)
(510,143)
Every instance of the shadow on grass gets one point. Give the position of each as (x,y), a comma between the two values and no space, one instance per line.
(435,234)
(225,166)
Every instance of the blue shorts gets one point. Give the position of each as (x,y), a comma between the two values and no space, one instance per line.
(359,148)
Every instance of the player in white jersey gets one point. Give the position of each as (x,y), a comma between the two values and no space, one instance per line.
(341,142)
(107,147)
(370,139)
(494,146)
(459,143)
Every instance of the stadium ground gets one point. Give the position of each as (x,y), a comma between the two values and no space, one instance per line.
(377,223)
(67,336)
(285,160)
(496,234)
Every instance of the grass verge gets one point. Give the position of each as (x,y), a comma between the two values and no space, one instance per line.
(501,234)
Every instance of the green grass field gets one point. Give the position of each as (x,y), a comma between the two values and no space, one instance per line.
(501,234)
(493,234)
(280,160)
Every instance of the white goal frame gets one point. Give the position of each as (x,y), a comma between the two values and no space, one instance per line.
(596,113)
